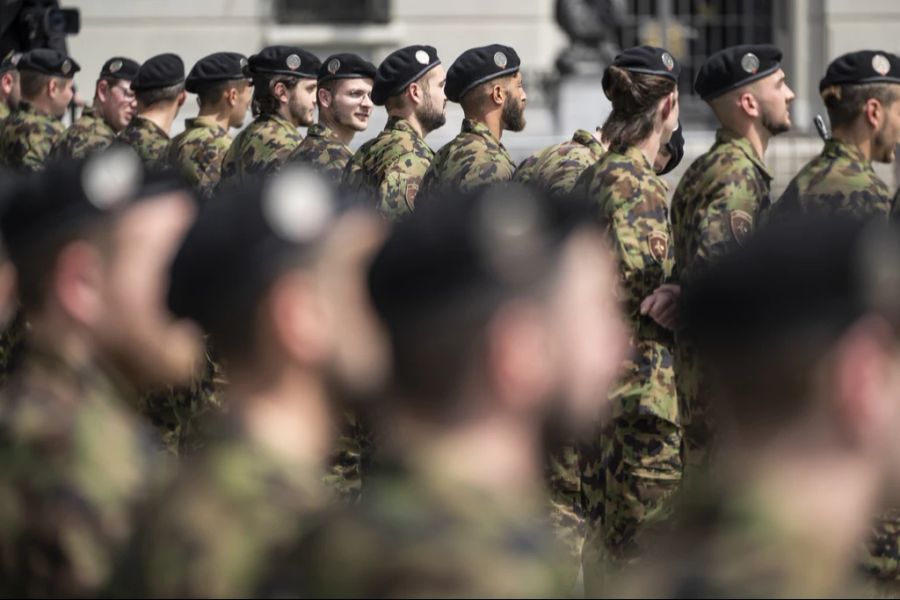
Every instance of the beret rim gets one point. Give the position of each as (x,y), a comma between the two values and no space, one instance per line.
(510,71)
(876,79)
(755,77)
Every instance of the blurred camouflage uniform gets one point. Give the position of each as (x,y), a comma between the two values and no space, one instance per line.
(322,150)
(388,169)
(714,209)
(629,475)
(4,110)
(352,456)
(197,153)
(11,342)
(88,134)
(555,169)
(147,140)
(27,137)
(73,466)
(472,159)
(260,149)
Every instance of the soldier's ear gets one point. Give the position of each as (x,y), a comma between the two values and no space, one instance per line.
(498,94)
(749,104)
(102,90)
(414,91)
(324,97)
(873,111)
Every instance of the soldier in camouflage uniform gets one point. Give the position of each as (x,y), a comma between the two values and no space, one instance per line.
(29,133)
(720,197)
(159,88)
(556,168)
(841,180)
(224,92)
(487,83)
(386,172)
(10,90)
(284,98)
(112,111)
(345,105)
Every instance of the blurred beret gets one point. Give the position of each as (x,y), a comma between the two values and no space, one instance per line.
(346,66)
(401,68)
(865,66)
(648,60)
(479,65)
(285,60)
(48,62)
(734,67)
(159,71)
(119,67)
(675,148)
(221,66)
(10,61)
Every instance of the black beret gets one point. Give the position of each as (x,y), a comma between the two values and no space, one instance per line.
(734,67)
(865,66)
(675,148)
(221,66)
(648,60)
(477,66)
(49,62)
(240,243)
(346,66)
(285,60)
(119,67)
(10,61)
(159,71)
(401,68)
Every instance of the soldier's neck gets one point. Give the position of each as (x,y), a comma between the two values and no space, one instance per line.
(41,104)
(162,114)
(341,132)
(219,116)
(50,330)
(650,147)
(492,120)
(855,136)
(412,119)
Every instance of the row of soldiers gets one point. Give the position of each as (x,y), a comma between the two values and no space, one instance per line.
(499,306)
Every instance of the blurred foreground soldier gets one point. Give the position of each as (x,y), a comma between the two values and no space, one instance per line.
(799,341)
(27,135)
(523,329)
(720,196)
(344,98)
(10,91)
(861,91)
(112,111)
(159,88)
(633,468)
(265,271)
(224,90)
(284,98)
(387,171)
(90,242)
(487,83)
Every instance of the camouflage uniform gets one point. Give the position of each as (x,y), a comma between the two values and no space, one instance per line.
(472,159)
(555,169)
(324,151)
(88,134)
(27,137)
(352,457)
(147,140)
(73,465)
(4,110)
(630,474)
(388,169)
(260,149)
(11,339)
(714,210)
(197,153)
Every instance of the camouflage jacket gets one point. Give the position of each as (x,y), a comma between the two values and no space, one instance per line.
(472,159)
(322,150)
(27,137)
(387,171)
(260,149)
(840,181)
(88,134)
(4,110)
(555,169)
(75,464)
(147,140)
(197,153)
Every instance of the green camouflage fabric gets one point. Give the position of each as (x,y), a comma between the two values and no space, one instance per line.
(12,337)
(321,149)
(27,137)
(352,456)
(714,210)
(472,159)
(555,169)
(630,472)
(147,140)
(197,153)
(261,148)
(4,110)
(526,170)
(881,559)
(74,466)
(387,171)
(85,136)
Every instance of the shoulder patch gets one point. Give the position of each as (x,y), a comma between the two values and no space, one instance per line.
(741,225)
(659,245)
(412,189)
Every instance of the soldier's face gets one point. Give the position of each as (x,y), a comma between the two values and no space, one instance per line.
(242,105)
(61,93)
(774,97)
(514,105)
(351,103)
(432,113)
(119,105)
(302,103)
(887,136)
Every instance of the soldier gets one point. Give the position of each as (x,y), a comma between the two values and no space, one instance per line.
(345,105)
(487,83)
(224,90)
(387,171)
(112,111)
(284,96)
(10,91)
(861,91)
(28,134)
(722,193)
(159,88)
(90,242)
(634,467)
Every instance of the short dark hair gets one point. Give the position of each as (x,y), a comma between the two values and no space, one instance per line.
(845,102)
(163,94)
(634,97)
(210,94)
(33,83)
(264,100)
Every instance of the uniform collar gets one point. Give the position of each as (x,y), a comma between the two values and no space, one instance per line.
(203,122)
(478,128)
(838,149)
(148,125)
(586,138)
(726,136)
(279,120)
(395,123)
